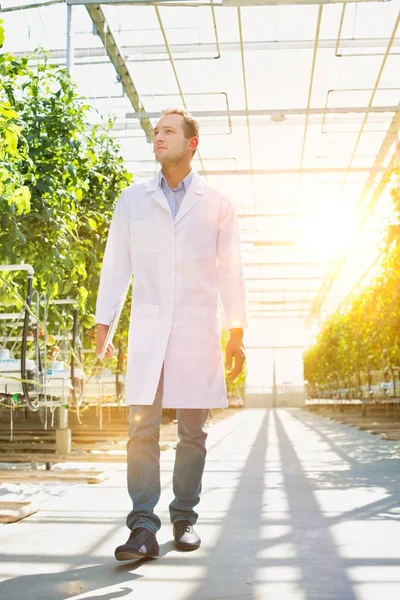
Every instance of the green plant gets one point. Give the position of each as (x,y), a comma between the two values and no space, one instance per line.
(74,171)
(1,33)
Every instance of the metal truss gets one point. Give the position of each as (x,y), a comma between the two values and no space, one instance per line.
(116,57)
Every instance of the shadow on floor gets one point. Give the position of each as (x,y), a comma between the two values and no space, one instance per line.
(79,580)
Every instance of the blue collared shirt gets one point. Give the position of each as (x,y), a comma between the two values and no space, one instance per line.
(176,196)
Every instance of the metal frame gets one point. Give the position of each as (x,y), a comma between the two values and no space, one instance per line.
(278,112)
(116,57)
(206,48)
(218,3)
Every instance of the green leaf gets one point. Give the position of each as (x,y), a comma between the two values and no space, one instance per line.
(11,141)
(92,223)
(1,34)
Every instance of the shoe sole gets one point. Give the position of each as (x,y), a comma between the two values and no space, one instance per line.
(184,546)
(134,555)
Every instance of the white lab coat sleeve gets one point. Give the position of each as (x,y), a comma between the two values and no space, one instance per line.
(116,271)
(231,284)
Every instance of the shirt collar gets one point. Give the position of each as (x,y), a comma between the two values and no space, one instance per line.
(185,182)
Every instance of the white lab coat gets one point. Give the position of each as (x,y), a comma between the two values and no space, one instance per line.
(181,267)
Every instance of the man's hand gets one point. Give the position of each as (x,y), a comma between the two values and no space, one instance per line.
(235,350)
(101,335)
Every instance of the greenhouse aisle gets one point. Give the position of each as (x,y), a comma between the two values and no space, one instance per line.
(293,506)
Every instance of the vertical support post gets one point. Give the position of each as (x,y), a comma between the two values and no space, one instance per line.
(62,418)
(63,434)
(70,40)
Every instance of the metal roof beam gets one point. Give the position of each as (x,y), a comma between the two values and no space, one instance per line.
(133,52)
(286,2)
(217,3)
(103,29)
(279,112)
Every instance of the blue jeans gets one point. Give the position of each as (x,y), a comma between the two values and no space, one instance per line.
(144,463)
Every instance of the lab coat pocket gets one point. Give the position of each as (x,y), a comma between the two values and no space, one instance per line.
(143,327)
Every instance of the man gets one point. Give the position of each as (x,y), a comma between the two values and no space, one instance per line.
(180,240)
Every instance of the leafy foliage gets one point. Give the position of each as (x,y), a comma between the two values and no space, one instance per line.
(14,193)
(75,174)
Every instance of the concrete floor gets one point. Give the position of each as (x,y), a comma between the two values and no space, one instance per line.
(293,506)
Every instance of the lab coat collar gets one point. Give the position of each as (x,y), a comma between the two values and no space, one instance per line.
(192,196)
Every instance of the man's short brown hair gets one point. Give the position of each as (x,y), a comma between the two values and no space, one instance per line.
(190,125)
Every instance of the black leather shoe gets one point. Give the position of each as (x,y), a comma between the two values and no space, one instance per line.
(142,543)
(185,536)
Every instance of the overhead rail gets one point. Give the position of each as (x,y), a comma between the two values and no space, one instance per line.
(32,5)
(219,3)
(339,42)
(287,2)
(190,48)
(195,94)
(352,90)
(278,112)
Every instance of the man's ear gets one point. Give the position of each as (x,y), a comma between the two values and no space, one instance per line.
(194,143)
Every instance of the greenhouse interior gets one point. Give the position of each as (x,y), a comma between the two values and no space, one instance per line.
(298,112)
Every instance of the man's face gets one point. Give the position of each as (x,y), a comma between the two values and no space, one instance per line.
(170,144)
